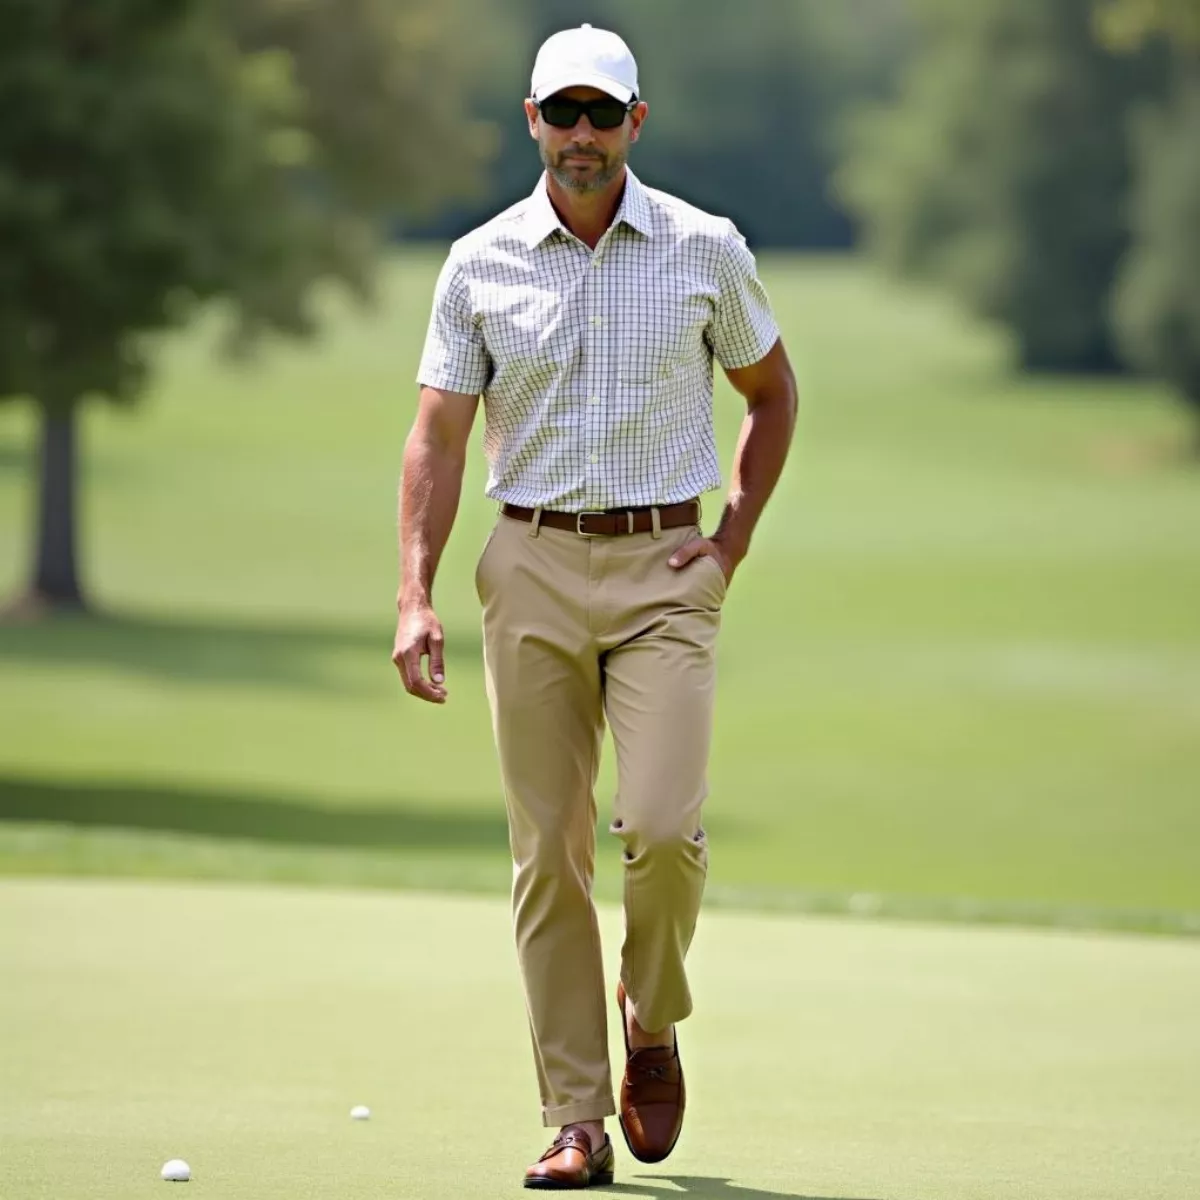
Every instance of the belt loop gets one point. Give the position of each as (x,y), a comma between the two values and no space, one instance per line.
(536,523)
(629,518)
(655,522)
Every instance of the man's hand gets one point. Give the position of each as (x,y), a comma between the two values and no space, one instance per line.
(419,636)
(722,554)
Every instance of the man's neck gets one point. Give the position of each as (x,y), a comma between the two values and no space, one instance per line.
(587,214)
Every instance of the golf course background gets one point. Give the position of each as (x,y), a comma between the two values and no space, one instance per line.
(950,944)
(960,671)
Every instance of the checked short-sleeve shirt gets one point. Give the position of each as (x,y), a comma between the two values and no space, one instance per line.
(596,367)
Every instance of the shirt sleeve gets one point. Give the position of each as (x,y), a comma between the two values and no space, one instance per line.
(743,328)
(455,358)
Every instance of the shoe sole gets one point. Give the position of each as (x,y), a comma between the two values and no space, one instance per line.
(657,1158)
(552,1185)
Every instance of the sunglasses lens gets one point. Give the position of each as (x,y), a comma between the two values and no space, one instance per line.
(606,114)
(565,114)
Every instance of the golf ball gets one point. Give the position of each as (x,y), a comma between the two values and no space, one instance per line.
(360,1112)
(176,1171)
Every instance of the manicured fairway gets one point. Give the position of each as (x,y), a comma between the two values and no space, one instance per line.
(235,1027)
(960,673)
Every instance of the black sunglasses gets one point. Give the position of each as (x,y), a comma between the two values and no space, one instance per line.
(605,113)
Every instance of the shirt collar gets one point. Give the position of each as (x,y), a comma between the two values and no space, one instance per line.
(541,220)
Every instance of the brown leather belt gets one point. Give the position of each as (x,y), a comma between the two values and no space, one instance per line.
(613,521)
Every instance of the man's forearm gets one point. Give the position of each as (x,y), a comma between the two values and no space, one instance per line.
(762,450)
(429,494)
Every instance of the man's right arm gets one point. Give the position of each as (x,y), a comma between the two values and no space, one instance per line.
(435,455)
(455,368)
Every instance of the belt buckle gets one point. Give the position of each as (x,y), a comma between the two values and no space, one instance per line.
(579,529)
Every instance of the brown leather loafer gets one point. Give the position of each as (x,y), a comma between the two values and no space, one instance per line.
(653,1096)
(570,1163)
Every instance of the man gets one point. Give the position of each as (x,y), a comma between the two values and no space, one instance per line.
(588,316)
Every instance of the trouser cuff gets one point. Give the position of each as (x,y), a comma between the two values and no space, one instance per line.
(584,1110)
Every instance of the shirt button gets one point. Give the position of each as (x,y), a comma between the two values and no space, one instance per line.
(596,320)
(594,458)
(594,400)
(595,262)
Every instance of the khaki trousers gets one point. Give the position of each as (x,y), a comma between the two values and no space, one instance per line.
(578,630)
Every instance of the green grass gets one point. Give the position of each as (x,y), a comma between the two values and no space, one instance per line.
(235,1027)
(960,672)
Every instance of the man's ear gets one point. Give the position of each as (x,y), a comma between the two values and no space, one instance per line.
(531,115)
(637,117)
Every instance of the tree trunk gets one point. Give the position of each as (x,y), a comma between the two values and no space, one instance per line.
(56,575)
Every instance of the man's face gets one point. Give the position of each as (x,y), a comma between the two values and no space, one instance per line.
(584,158)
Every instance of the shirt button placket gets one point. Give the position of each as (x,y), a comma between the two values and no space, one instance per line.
(596,372)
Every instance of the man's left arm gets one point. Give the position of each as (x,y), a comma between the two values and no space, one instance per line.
(747,344)
(769,388)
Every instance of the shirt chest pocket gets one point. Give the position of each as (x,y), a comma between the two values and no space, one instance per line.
(525,332)
(661,335)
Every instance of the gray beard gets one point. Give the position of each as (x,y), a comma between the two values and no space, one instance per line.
(595,183)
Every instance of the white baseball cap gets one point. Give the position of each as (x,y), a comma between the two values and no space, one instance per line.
(585,57)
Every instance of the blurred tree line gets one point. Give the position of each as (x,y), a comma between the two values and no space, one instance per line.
(158,155)
(1156,301)
(1039,159)
(1042,161)
(745,104)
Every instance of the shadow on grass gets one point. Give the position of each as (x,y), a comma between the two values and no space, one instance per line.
(23,458)
(249,816)
(292,653)
(701,1187)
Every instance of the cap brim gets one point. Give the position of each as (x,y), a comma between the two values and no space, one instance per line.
(604,83)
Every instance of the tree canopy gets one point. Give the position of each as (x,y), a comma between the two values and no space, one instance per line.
(1004,169)
(158,154)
